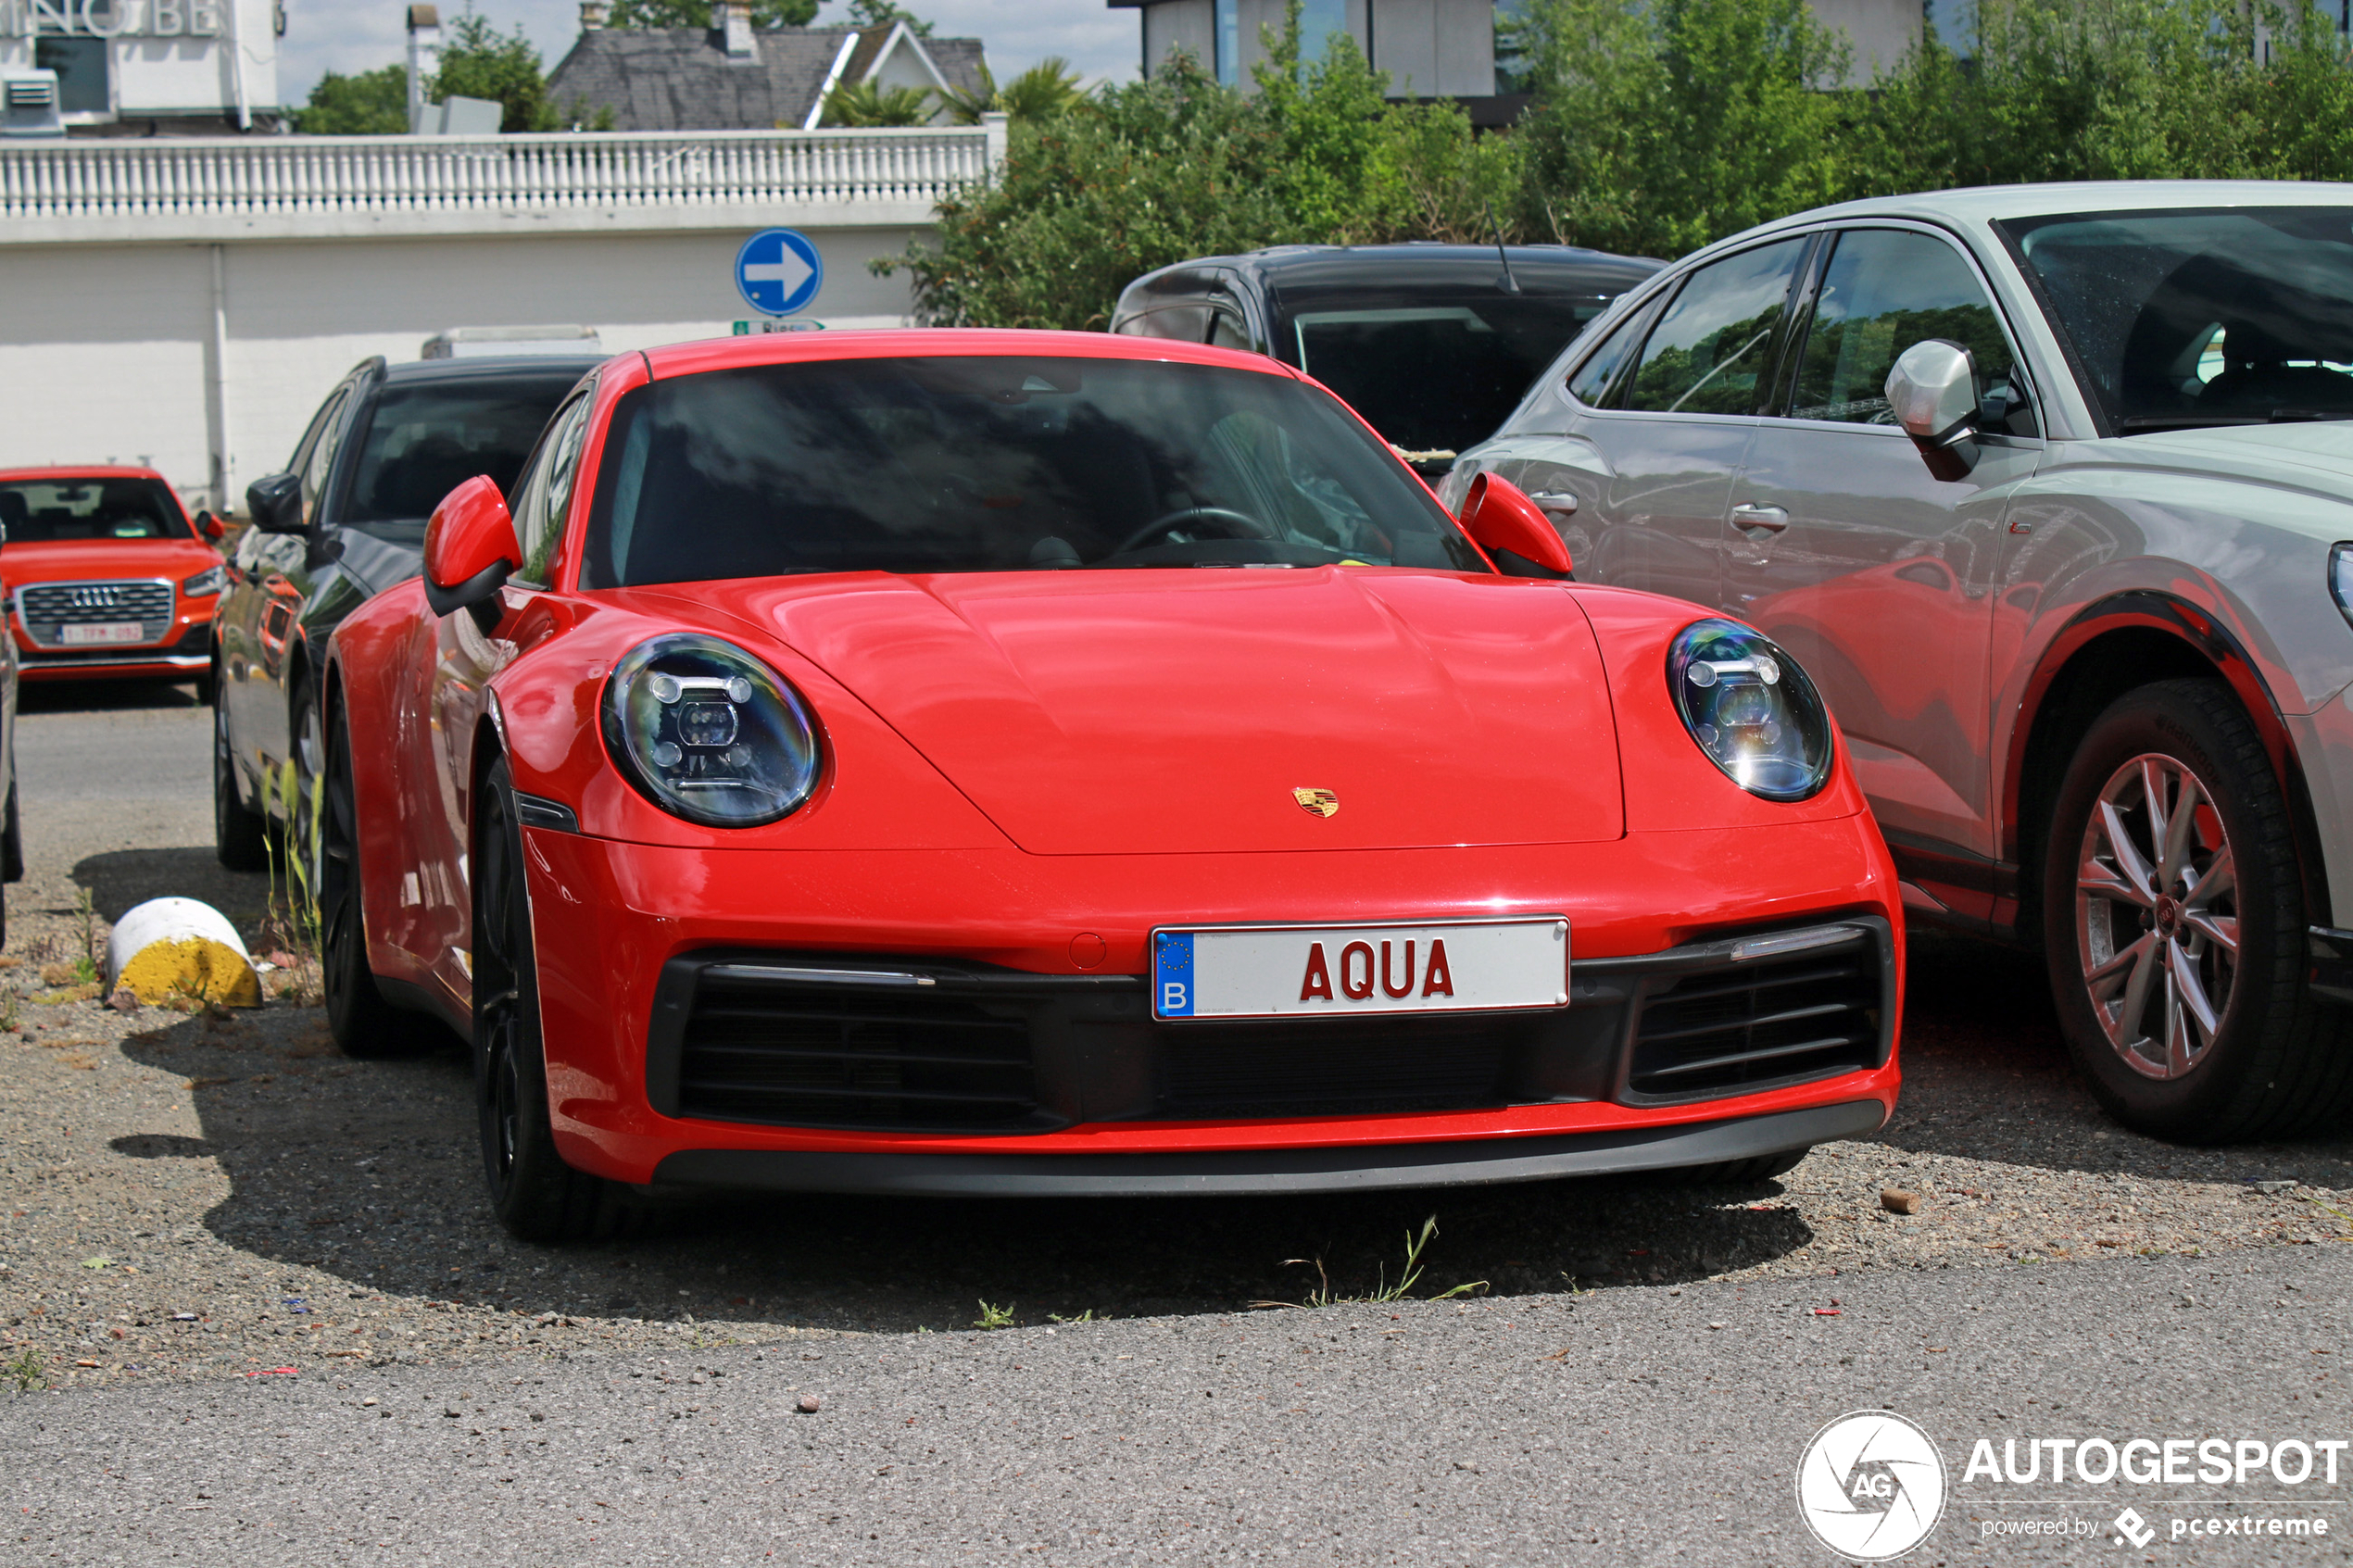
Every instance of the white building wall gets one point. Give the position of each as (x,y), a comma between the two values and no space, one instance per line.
(107,348)
(1879,31)
(168,56)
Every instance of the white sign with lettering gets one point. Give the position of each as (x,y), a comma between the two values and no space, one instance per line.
(111,19)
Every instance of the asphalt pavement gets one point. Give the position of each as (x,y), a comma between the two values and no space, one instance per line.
(1639,1381)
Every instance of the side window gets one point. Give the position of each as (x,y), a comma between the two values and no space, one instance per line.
(1886,290)
(1713,343)
(1188,322)
(322,460)
(1588,384)
(1225,330)
(544,494)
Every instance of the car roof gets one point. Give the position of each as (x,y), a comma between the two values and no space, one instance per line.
(1990,204)
(503,367)
(1554,268)
(776,348)
(82,471)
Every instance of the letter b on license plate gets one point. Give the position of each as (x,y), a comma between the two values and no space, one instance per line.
(1292,970)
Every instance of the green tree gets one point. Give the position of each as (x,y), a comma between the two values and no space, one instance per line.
(1139,176)
(766,14)
(481,62)
(372,103)
(1660,127)
(882,12)
(868,103)
(1045,90)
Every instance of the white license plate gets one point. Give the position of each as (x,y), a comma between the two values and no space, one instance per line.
(102,632)
(1309,971)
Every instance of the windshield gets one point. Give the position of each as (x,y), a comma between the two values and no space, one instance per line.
(2203,316)
(45,511)
(423,442)
(1437,373)
(989,464)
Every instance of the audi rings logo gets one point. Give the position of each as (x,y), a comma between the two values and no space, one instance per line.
(1872,1485)
(94,598)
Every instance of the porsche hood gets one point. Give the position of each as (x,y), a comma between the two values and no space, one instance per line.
(1186,711)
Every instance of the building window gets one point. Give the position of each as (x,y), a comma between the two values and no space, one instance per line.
(81,68)
(1318,19)
(1225,20)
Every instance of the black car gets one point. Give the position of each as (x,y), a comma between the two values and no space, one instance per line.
(1434,345)
(344,521)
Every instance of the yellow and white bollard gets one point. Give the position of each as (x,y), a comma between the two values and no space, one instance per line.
(179,948)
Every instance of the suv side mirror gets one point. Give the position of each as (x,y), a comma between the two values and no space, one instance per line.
(1513,529)
(274,502)
(471,549)
(1933,389)
(210,526)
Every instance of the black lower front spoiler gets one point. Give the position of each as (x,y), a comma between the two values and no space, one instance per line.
(1357,1168)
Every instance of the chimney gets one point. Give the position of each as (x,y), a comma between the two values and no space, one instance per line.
(424,59)
(735,31)
(592,15)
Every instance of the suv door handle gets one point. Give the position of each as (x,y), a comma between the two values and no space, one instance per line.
(1559,501)
(1770,519)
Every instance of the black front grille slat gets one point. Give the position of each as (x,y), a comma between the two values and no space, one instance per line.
(791,1053)
(1752,1026)
(1831,1042)
(941,1097)
(1005,1025)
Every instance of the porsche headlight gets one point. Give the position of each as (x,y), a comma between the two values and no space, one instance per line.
(211,580)
(1750,709)
(707,733)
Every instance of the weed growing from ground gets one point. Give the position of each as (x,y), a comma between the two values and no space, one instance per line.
(1383,1293)
(994,1317)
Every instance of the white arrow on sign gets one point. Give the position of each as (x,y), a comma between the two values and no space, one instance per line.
(789,269)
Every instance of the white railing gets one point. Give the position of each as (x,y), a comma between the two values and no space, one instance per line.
(303,177)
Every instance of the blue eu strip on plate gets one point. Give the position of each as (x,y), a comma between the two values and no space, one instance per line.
(1173,974)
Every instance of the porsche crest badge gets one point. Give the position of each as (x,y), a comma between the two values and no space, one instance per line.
(1319,802)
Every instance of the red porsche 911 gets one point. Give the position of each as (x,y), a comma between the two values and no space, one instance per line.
(959,762)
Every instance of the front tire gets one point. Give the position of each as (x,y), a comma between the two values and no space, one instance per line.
(534,1194)
(239,836)
(364,1024)
(2174,927)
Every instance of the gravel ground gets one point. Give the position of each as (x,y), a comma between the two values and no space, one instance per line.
(194,1197)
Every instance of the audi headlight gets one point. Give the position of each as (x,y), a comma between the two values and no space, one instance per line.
(1750,709)
(211,580)
(707,733)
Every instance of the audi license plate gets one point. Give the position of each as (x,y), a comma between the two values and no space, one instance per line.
(1287,970)
(102,632)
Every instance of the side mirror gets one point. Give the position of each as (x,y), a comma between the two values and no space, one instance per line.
(470,550)
(1513,529)
(274,502)
(210,526)
(1933,389)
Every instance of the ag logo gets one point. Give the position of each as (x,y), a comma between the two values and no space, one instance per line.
(1872,1485)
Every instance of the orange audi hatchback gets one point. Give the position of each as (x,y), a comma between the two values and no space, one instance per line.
(108,578)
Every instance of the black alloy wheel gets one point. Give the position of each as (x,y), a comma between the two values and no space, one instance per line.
(239,834)
(363,1024)
(534,1194)
(307,725)
(11,828)
(2173,926)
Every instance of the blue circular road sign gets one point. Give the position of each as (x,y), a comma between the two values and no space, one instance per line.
(778,271)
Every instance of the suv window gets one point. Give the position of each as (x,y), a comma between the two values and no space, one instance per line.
(1886,290)
(322,460)
(423,441)
(1188,322)
(1713,345)
(1591,383)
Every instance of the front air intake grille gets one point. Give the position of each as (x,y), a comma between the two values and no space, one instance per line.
(839,1056)
(1760,1022)
(1361,1067)
(46,609)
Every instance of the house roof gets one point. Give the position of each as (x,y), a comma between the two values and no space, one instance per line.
(681,79)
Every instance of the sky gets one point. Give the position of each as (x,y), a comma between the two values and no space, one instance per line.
(355,35)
